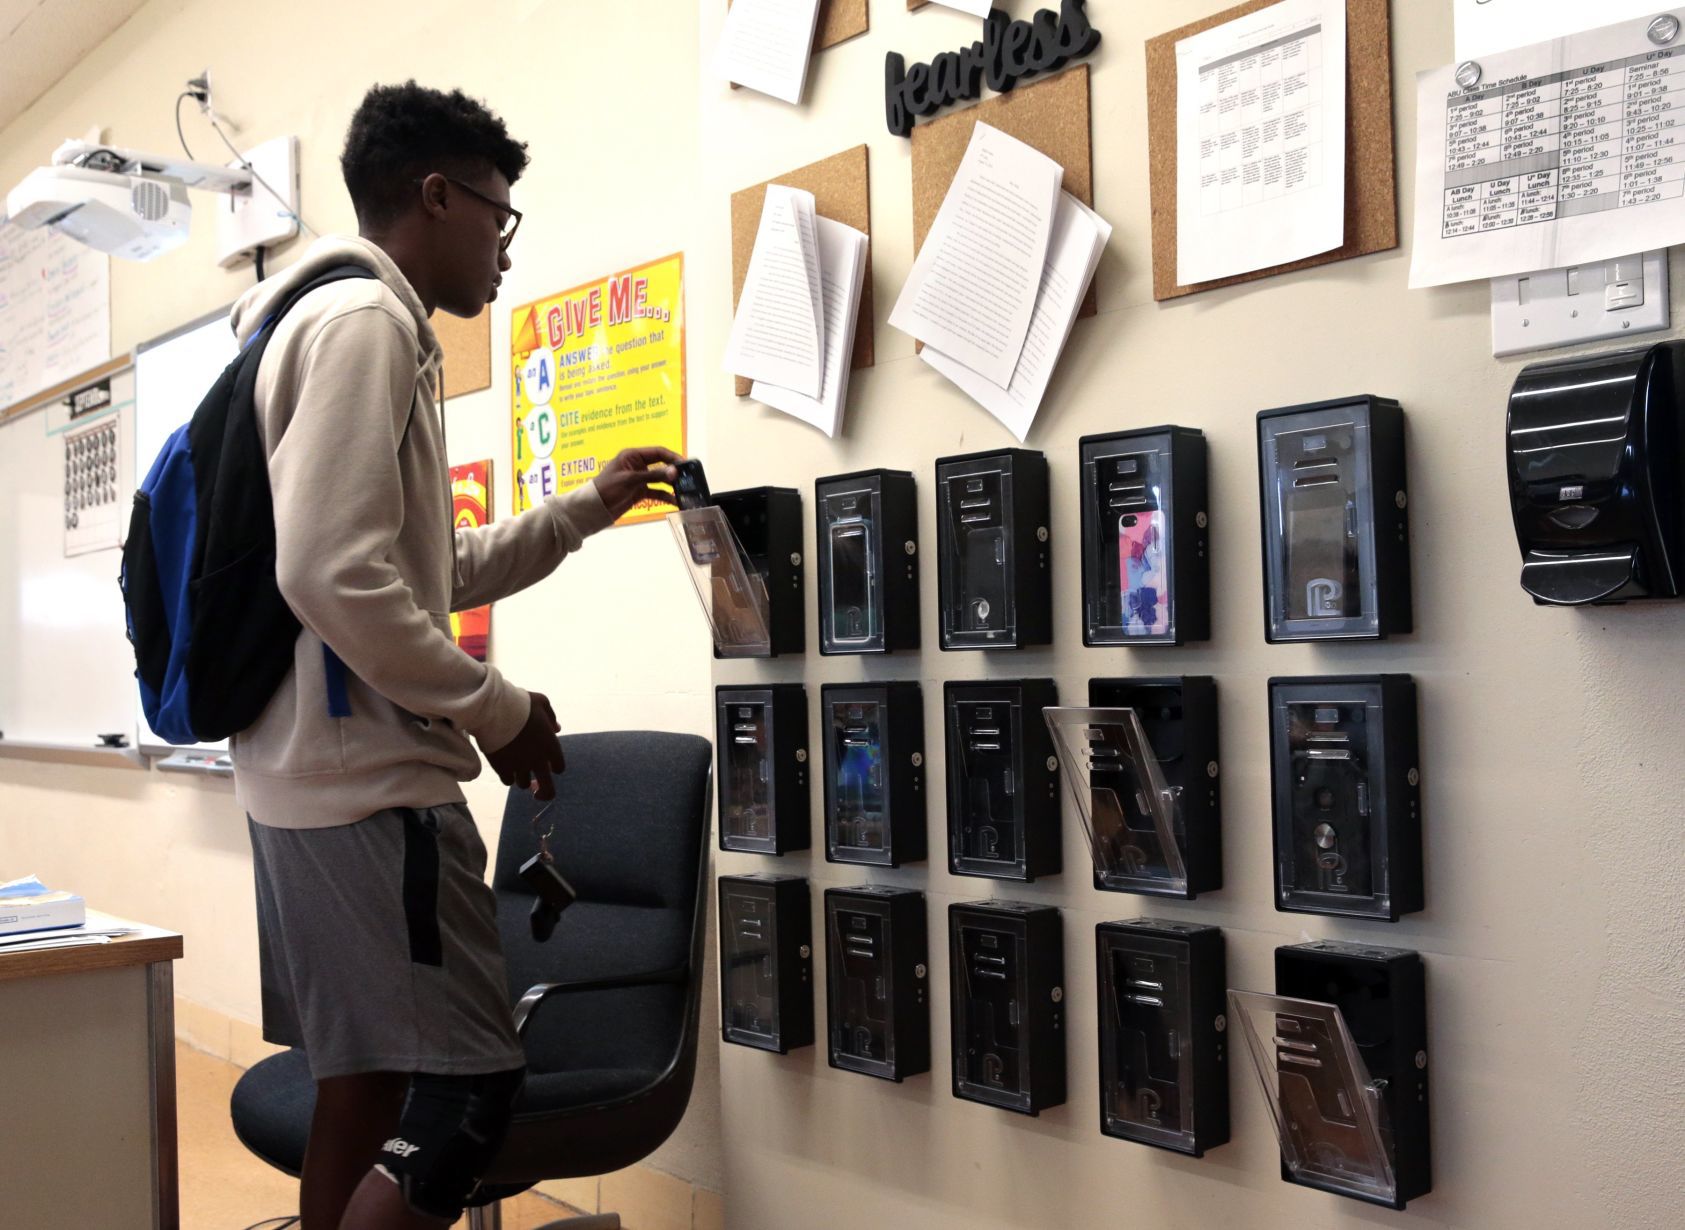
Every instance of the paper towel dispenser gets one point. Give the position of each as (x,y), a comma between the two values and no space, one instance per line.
(1594,471)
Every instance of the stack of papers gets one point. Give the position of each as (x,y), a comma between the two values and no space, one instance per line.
(68,937)
(766,44)
(997,286)
(794,330)
(27,905)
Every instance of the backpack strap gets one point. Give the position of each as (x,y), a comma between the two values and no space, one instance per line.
(338,273)
(334,669)
(339,700)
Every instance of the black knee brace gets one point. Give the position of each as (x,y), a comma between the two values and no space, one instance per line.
(449,1131)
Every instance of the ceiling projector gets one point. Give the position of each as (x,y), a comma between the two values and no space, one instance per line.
(129,204)
(126,215)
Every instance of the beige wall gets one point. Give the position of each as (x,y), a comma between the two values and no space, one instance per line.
(613,638)
(1551,740)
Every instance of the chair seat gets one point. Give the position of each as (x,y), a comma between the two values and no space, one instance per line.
(272,1103)
(271,1108)
(551,1092)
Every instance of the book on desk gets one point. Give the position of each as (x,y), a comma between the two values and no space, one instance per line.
(28,905)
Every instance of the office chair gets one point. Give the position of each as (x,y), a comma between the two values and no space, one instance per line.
(608,1008)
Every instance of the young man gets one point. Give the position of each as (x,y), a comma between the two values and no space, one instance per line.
(378,938)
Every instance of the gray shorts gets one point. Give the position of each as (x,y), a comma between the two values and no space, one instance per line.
(378,945)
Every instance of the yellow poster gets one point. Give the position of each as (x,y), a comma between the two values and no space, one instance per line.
(597,369)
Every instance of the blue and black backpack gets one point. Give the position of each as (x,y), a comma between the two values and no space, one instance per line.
(213,636)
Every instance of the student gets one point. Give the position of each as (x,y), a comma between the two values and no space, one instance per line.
(378,940)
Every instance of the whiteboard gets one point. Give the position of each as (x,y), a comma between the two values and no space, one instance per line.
(55,311)
(172,374)
(66,667)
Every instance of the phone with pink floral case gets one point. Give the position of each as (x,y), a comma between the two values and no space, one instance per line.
(1146,598)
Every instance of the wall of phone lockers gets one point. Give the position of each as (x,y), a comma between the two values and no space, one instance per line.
(1341,1052)
(1156,819)
(1347,813)
(1007,1004)
(1146,573)
(868,534)
(1164,1061)
(1003,779)
(874,773)
(876,954)
(767,522)
(1336,522)
(1340,1045)
(992,550)
(760,742)
(766,962)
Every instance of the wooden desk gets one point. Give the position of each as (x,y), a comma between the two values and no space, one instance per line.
(87,1071)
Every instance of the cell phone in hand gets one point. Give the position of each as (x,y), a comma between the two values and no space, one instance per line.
(691,486)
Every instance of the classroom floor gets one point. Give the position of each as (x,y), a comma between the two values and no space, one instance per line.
(223,1187)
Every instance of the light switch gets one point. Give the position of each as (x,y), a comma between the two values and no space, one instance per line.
(1625,288)
(1560,307)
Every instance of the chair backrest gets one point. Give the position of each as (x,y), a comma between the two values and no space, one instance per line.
(632,837)
(625,796)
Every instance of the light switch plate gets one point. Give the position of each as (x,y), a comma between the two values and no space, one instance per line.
(1602,301)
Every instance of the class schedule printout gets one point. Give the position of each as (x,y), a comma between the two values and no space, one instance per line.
(1536,165)
(1261,140)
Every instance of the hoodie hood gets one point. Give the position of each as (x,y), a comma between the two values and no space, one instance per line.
(329,252)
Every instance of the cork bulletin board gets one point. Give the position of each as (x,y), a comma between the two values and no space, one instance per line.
(1371,170)
(841,192)
(839,20)
(467,347)
(1051,115)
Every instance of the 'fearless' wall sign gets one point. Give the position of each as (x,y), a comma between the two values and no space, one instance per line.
(1009,51)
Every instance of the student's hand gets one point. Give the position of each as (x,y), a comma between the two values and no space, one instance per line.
(625,481)
(531,756)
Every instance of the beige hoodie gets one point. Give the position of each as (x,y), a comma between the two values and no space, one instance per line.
(368,561)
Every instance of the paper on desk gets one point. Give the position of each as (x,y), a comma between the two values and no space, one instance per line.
(1487,26)
(1073,251)
(63,937)
(34,941)
(766,44)
(23,886)
(842,264)
(1261,140)
(1562,153)
(778,334)
(973,286)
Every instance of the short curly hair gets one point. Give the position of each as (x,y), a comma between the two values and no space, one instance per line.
(403,131)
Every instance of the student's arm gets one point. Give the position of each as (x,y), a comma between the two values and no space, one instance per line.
(495,561)
(338,511)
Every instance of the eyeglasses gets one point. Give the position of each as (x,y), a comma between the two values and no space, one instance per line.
(511,216)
